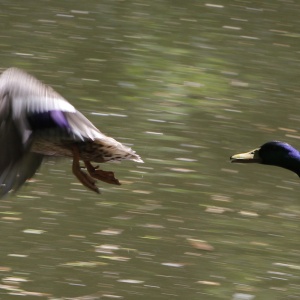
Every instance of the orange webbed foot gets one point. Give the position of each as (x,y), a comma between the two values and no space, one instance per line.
(105,176)
(82,176)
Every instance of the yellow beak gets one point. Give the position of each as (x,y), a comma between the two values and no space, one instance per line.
(247,157)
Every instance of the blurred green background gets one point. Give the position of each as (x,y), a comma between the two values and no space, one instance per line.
(186,84)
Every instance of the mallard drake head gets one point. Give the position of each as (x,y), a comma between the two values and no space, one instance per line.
(273,153)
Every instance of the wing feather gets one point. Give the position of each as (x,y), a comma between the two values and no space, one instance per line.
(30,95)
(17,164)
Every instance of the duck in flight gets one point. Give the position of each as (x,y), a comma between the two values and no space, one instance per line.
(273,153)
(35,122)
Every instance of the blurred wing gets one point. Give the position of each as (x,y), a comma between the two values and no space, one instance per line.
(17,172)
(16,163)
(11,147)
(30,97)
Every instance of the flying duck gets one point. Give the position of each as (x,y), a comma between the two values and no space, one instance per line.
(35,122)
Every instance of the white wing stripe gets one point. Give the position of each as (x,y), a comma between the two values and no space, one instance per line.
(39,104)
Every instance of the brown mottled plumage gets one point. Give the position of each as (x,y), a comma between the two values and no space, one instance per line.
(35,121)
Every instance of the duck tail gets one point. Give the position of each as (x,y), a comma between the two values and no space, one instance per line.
(113,150)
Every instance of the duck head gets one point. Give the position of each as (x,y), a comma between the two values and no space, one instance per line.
(273,153)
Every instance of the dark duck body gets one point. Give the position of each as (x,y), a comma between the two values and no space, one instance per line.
(35,121)
(273,153)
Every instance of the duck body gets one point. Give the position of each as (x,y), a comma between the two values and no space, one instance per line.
(35,121)
(273,153)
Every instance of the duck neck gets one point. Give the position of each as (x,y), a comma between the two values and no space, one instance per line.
(293,165)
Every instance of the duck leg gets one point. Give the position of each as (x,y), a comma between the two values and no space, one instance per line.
(106,176)
(83,177)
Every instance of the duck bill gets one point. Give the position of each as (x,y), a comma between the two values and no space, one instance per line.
(248,157)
